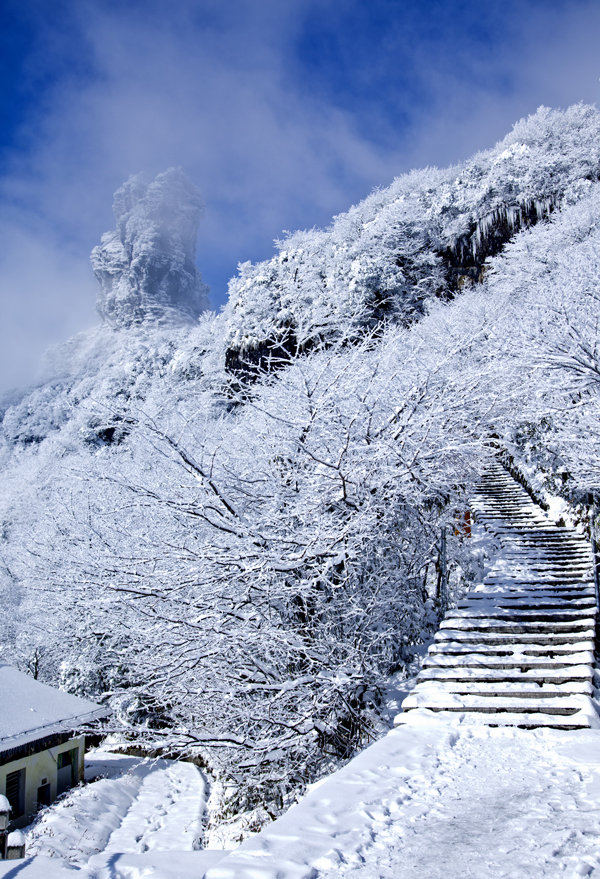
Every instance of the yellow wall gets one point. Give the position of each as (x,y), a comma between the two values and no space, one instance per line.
(37,767)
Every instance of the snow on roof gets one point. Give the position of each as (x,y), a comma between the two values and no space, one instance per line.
(31,710)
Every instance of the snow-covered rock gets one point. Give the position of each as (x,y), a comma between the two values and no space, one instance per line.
(146,266)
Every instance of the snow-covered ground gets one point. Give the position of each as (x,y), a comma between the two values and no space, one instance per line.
(430,799)
(104,829)
(439,800)
(134,806)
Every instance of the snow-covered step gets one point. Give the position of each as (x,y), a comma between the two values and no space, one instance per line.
(519,648)
(562,546)
(545,613)
(519,689)
(583,719)
(489,637)
(534,579)
(514,625)
(508,663)
(521,550)
(535,592)
(494,507)
(481,663)
(543,572)
(548,534)
(436,699)
(507,667)
(550,556)
(530,571)
(499,518)
(567,581)
(513,509)
(537,597)
(512,648)
(532,552)
(501,675)
(524,602)
(524,609)
(515,566)
(517,513)
(539,572)
(506,601)
(557,538)
(520,514)
(514,558)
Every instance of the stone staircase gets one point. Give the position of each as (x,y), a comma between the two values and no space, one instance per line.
(519,649)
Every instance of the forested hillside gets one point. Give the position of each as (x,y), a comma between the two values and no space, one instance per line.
(226,526)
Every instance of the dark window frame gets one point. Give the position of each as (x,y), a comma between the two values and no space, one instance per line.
(15,792)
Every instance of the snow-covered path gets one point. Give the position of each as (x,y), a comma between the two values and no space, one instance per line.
(518,650)
(490,805)
(440,799)
(167,813)
(432,799)
(137,806)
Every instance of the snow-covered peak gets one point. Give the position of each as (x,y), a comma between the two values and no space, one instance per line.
(146,266)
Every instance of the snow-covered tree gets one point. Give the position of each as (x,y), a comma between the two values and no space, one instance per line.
(426,235)
(238,571)
(228,592)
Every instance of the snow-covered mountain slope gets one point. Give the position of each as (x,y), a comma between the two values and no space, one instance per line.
(421,237)
(237,570)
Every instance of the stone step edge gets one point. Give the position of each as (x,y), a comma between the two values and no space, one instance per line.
(477,675)
(525,689)
(436,700)
(423,716)
(508,623)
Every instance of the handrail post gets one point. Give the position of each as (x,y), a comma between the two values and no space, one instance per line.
(595,557)
(443,578)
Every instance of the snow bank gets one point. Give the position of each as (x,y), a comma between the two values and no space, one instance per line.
(138,806)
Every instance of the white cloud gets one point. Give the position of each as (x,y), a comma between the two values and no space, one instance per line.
(47,295)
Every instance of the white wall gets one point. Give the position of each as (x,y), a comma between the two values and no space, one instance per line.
(38,767)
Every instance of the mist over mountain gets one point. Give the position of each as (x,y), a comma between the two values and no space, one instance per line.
(146,266)
(233,518)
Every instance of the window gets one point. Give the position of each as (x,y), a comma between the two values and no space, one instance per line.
(66,765)
(15,793)
(67,758)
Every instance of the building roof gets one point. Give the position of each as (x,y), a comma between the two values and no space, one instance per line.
(31,710)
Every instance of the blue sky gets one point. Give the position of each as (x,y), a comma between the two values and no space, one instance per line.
(283,112)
